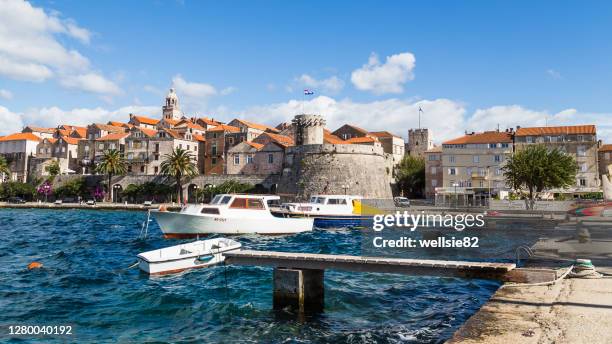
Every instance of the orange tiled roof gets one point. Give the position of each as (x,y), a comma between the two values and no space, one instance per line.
(71,140)
(120,124)
(113,136)
(51,140)
(570,129)
(606,148)
(191,125)
(170,121)
(209,121)
(172,133)
(485,137)
(225,127)
(382,134)
(330,138)
(81,132)
(148,132)
(363,131)
(258,126)
(257,146)
(364,139)
(39,129)
(20,137)
(146,120)
(282,139)
(111,128)
(199,138)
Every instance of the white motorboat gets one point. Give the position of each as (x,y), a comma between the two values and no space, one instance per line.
(197,254)
(329,210)
(229,214)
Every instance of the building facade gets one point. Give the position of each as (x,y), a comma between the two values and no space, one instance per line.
(579,141)
(419,141)
(18,149)
(605,159)
(434,173)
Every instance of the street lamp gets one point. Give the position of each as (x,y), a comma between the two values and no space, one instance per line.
(116,188)
(195,190)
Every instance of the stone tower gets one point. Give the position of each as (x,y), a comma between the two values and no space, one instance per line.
(418,142)
(308,129)
(172,109)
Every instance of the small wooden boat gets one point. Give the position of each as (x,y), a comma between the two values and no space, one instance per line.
(197,254)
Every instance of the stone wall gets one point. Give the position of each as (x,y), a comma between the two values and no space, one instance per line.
(336,169)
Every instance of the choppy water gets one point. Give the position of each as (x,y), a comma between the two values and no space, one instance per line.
(85,283)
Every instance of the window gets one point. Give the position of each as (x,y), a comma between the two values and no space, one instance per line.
(156,170)
(156,157)
(498,171)
(112,146)
(581,151)
(101,146)
(253,203)
(230,140)
(433,157)
(582,182)
(130,156)
(476,159)
(236,159)
(180,145)
(336,201)
(214,149)
(434,182)
(130,169)
(452,171)
(187,147)
(529,139)
(468,171)
(580,138)
(239,203)
(498,158)
(249,159)
(214,135)
(433,170)
(142,169)
(86,148)
(583,167)
(504,145)
(130,144)
(157,147)
(451,158)
(607,155)
(270,158)
(214,161)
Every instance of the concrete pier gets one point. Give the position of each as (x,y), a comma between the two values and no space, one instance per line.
(300,290)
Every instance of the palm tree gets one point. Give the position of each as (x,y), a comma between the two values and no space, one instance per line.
(179,164)
(112,163)
(4,168)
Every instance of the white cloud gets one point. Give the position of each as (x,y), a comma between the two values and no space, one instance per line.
(228,90)
(6,94)
(33,48)
(91,82)
(394,115)
(388,77)
(11,122)
(554,74)
(333,84)
(193,89)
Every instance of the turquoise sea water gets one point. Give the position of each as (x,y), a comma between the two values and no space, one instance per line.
(85,283)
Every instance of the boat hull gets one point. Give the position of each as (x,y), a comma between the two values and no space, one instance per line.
(176,266)
(341,221)
(178,225)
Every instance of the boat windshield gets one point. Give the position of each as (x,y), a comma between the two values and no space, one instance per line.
(221,199)
(318,200)
(336,201)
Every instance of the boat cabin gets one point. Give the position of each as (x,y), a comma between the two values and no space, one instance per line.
(224,202)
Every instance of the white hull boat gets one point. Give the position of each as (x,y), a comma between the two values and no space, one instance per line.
(229,214)
(197,254)
(329,211)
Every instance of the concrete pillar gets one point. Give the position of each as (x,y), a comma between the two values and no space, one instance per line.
(301,290)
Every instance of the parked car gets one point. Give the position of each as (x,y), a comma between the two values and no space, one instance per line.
(402,202)
(16,200)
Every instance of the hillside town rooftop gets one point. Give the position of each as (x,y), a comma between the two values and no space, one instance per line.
(484,137)
(571,129)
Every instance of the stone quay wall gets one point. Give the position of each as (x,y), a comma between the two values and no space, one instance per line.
(336,169)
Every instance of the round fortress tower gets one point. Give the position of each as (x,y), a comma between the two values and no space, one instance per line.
(315,167)
(308,129)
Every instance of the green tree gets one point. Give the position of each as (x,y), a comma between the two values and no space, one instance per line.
(53,169)
(17,189)
(410,175)
(4,168)
(537,168)
(72,188)
(111,164)
(230,186)
(179,164)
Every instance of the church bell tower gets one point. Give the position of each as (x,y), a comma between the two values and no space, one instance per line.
(172,110)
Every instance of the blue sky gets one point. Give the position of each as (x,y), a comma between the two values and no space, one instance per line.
(468,65)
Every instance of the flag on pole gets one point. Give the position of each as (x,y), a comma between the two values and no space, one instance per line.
(308,92)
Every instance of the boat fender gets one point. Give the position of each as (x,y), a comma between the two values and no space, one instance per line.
(34,265)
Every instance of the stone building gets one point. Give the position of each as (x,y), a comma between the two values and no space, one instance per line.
(40,132)
(419,141)
(472,167)
(580,141)
(216,147)
(143,122)
(171,110)
(604,158)
(241,158)
(64,150)
(391,144)
(18,149)
(348,131)
(434,172)
(315,167)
